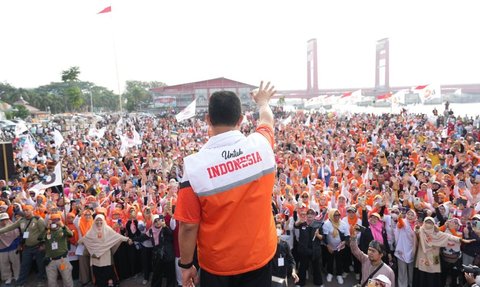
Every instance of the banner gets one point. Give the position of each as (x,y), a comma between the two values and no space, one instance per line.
(93,132)
(53,179)
(58,138)
(187,112)
(20,128)
(28,150)
(351,97)
(399,97)
(287,120)
(428,92)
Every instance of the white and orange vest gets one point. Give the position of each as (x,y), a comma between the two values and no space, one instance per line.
(227,190)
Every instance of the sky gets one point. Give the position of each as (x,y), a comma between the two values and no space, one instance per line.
(248,41)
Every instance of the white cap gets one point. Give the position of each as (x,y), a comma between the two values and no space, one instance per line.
(4,216)
(384,279)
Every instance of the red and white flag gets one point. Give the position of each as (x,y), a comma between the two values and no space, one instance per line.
(385,97)
(399,97)
(428,92)
(351,97)
(106,10)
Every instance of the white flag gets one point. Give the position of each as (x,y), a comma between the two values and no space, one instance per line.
(245,118)
(458,92)
(187,112)
(93,132)
(28,151)
(118,127)
(20,129)
(57,137)
(428,92)
(287,120)
(351,97)
(307,121)
(136,137)
(123,147)
(53,179)
(399,97)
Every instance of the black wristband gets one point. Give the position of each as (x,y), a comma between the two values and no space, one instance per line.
(185,266)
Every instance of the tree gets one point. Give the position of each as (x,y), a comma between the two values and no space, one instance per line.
(71,75)
(138,94)
(19,111)
(74,96)
(281,101)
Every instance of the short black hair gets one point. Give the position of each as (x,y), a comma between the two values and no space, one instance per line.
(377,246)
(224,108)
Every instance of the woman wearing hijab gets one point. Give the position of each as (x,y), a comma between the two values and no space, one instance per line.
(147,246)
(102,241)
(163,253)
(375,230)
(451,256)
(133,251)
(83,226)
(73,244)
(405,249)
(336,234)
(427,265)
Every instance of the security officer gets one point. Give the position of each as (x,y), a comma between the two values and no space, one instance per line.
(33,231)
(56,250)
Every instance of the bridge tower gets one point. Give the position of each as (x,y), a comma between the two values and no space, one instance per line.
(382,65)
(312,71)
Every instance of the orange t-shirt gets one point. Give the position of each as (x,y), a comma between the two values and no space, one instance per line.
(228,193)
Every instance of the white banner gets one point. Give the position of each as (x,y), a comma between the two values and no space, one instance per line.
(187,112)
(20,129)
(28,151)
(53,179)
(58,138)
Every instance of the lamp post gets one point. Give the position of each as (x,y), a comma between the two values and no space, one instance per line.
(91,102)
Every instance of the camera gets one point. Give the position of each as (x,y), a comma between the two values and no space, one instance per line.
(475,270)
(360,228)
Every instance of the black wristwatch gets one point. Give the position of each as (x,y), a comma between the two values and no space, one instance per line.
(185,266)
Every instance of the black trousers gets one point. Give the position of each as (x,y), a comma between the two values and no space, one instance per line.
(340,260)
(103,275)
(316,269)
(146,254)
(163,269)
(452,269)
(260,277)
(357,266)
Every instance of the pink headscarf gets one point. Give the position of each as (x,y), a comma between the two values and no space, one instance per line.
(377,231)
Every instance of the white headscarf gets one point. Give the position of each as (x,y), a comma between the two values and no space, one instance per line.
(99,240)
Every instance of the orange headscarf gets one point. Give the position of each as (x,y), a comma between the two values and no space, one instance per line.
(85,224)
(71,226)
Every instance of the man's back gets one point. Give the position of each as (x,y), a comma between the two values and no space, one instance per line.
(227,188)
(224,201)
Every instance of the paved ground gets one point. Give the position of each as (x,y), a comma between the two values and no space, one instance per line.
(137,282)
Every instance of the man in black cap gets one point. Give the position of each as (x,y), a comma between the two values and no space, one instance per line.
(372,264)
(309,247)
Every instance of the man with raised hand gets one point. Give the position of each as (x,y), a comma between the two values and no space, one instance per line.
(224,202)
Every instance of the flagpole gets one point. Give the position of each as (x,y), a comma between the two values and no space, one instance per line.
(116,62)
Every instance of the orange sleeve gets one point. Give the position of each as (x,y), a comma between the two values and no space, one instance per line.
(267,132)
(188,205)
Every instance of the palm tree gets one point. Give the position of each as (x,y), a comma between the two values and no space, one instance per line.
(71,75)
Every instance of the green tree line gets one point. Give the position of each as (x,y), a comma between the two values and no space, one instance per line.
(73,95)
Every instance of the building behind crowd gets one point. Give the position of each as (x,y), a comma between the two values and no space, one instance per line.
(179,96)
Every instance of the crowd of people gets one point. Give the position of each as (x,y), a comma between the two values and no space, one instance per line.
(392,200)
